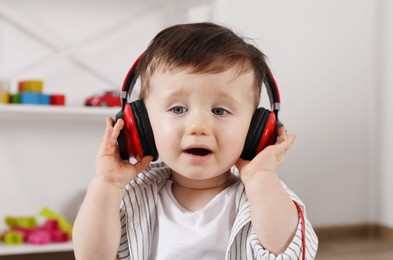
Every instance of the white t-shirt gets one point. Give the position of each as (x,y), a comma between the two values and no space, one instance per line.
(202,234)
(138,216)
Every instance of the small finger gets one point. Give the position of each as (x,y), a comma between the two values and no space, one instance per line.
(282,130)
(108,129)
(282,135)
(283,146)
(108,140)
(117,128)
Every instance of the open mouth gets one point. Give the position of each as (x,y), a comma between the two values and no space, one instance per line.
(198,151)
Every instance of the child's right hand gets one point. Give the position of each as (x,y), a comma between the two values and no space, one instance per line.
(109,165)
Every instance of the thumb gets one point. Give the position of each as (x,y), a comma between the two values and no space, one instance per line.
(241,163)
(142,164)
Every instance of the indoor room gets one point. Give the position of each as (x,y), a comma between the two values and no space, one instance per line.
(63,64)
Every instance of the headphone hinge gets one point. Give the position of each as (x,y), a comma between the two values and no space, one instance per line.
(123,94)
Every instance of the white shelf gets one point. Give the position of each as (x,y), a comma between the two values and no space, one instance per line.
(33,249)
(57,110)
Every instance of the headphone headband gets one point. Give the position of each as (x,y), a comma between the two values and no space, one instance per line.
(269,82)
(272,90)
(129,82)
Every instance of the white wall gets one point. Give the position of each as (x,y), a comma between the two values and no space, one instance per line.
(324,55)
(386,110)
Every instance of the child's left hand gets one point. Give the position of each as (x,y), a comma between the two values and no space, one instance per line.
(269,159)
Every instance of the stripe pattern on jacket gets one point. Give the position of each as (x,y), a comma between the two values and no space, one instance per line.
(138,216)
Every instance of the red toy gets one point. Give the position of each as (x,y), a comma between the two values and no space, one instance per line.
(57,100)
(107,99)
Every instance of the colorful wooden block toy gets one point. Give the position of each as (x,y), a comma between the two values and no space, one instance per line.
(55,229)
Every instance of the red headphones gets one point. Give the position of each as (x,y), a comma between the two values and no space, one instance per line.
(136,139)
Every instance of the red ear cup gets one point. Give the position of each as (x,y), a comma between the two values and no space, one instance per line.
(262,132)
(130,133)
(136,139)
(269,133)
(145,132)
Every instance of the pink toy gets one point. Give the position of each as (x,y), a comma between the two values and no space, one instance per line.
(59,236)
(24,231)
(40,237)
(51,225)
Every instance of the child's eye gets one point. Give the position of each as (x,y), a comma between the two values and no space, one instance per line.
(178,110)
(219,111)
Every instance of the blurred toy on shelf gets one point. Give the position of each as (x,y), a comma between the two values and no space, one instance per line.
(30,92)
(57,99)
(35,86)
(63,224)
(109,98)
(21,222)
(21,230)
(13,238)
(5,98)
(15,98)
(5,95)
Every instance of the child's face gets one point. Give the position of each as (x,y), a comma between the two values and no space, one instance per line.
(200,121)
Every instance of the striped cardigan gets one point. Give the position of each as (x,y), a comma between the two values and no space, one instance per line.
(138,216)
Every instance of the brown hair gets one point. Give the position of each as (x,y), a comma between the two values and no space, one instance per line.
(203,47)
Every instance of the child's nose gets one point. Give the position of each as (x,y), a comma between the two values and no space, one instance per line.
(198,124)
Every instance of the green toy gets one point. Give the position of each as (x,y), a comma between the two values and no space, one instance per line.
(13,238)
(15,98)
(21,222)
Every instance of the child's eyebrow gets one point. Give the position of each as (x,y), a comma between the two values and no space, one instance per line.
(176,94)
(179,93)
(225,96)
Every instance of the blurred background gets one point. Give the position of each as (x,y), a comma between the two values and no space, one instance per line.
(333,61)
